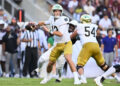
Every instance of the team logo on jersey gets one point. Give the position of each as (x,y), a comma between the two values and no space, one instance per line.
(66,19)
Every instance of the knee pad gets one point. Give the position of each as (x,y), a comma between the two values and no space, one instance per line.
(117,67)
(78,67)
(102,67)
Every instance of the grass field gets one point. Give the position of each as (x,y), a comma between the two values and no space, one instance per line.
(35,82)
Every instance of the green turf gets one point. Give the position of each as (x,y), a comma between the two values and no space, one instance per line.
(35,82)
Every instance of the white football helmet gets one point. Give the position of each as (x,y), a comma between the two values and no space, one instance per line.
(85,18)
(57,7)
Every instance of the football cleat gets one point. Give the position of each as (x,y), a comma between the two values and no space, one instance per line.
(58,80)
(98,81)
(35,72)
(44,81)
(83,80)
(117,78)
(77,82)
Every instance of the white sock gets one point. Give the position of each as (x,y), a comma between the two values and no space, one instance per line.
(110,71)
(49,75)
(117,78)
(75,74)
(82,76)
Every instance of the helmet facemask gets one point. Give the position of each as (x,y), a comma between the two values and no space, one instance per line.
(57,14)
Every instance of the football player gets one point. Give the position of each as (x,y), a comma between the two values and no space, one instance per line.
(111,70)
(63,44)
(90,47)
(61,60)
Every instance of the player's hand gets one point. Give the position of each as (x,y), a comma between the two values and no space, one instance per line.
(41,23)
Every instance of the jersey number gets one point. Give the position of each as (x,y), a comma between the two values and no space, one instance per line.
(88,32)
(54,28)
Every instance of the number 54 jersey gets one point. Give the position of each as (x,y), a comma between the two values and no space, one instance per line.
(87,32)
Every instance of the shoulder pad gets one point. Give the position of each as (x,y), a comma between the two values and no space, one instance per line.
(66,19)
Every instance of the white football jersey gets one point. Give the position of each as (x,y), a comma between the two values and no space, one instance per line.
(87,32)
(61,24)
(50,21)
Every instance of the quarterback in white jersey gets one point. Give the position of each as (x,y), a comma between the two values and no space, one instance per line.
(87,33)
(63,43)
(44,58)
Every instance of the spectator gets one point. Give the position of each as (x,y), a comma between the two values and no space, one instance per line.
(106,3)
(118,40)
(109,12)
(64,3)
(14,24)
(105,23)
(100,9)
(99,37)
(1,14)
(78,11)
(116,21)
(109,43)
(10,43)
(95,17)
(83,2)
(115,7)
(5,18)
(72,5)
(31,52)
(2,58)
(88,8)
